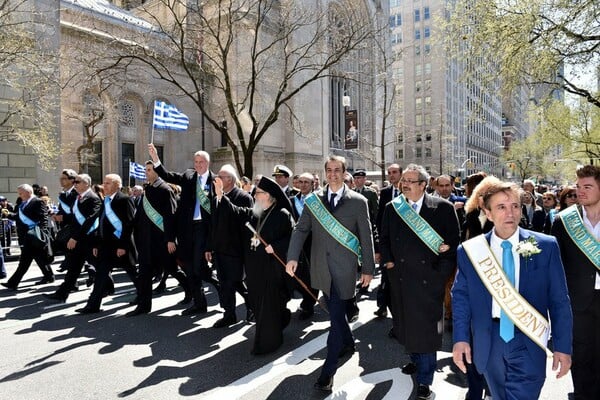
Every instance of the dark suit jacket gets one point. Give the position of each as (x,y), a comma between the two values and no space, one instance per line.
(187,204)
(472,226)
(148,237)
(35,210)
(227,231)
(69,200)
(538,220)
(90,206)
(541,283)
(579,270)
(385,196)
(330,261)
(418,278)
(123,207)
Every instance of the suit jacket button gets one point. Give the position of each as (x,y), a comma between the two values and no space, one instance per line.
(422,261)
(402,260)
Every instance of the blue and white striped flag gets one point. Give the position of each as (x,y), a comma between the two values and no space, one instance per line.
(167,116)
(137,171)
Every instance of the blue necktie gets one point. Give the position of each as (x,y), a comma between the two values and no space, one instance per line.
(507,328)
(414,206)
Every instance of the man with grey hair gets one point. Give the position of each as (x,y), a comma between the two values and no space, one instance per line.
(113,246)
(418,240)
(31,215)
(86,210)
(529,186)
(228,251)
(136,195)
(194,222)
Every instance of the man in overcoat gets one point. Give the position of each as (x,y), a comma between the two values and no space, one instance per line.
(418,240)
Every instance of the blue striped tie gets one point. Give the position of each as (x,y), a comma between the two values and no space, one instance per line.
(507,328)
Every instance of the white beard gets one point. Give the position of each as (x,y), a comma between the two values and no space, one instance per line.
(257,210)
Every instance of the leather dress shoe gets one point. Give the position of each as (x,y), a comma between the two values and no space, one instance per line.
(347,351)
(409,368)
(9,287)
(223,322)
(45,280)
(424,393)
(88,310)
(137,311)
(194,310)
(54,297)
(324,384)
(74,289)
(353,317)
(381,312)
(186,300)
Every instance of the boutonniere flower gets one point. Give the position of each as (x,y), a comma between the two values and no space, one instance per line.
(527,248)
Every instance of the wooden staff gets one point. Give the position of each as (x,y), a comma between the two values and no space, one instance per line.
(249,226)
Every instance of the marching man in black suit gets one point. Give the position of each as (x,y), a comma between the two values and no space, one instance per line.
(30,213)
(193,222)
(64,217)
(228,249)
(113,245)
(79,247)
(577,230)
(154,233)
(418,239)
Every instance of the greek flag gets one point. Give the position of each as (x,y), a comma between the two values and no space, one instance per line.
(137,171)
(167,116)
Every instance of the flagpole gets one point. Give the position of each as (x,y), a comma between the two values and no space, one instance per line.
(129,177)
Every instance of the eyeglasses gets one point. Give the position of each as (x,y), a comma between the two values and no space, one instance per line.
(547,198)
(571,195)
(409,181)
(76,181)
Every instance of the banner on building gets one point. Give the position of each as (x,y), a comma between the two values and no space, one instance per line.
(351,138)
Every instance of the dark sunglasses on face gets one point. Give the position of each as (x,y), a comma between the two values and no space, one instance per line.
(571,196)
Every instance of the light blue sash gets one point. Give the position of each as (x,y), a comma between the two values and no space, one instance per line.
(152,214)
(26,220)
(299,205)
(578,232)
(64,206)
(332,226)
(417,224)
(81,219)
(112,217)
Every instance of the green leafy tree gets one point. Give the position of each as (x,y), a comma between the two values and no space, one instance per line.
(28,92)
(244,61)
(532,41)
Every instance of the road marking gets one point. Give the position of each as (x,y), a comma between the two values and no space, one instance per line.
(359,388)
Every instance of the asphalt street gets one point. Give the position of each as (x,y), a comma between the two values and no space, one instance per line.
(49,351)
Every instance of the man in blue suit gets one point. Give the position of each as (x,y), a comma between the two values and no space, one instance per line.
(503,313)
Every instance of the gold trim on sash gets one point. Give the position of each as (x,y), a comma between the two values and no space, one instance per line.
(521,313)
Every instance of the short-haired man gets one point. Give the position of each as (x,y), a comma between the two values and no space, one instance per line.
(335,256)
(282,175)
(306,309)
(86,210)
(418,240)
(65,217)
(193,222)
(509,280)
(228,249)
(154,234)
(30,215)
(113,245)
(577,230)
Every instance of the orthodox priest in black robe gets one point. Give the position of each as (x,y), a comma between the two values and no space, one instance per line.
(268,284)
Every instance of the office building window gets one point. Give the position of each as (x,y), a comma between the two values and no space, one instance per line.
(426,14)
(427,152)
(417,15)
(417,34)
(400,154)
(426,32)
(419,120)
(419,152)
(418,70)
(418,103)
(427,68)
(417,50)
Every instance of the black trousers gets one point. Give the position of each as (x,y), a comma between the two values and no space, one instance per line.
(161,260)
(28,254)
(230,271)
(586,351)
(198,271)
(107,260)
(74,259)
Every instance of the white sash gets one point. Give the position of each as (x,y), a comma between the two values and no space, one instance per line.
(522,314)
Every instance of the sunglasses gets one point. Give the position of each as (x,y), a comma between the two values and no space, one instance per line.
(76,181)
(571,196)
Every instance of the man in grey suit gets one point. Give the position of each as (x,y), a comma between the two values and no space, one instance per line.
(341,238)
